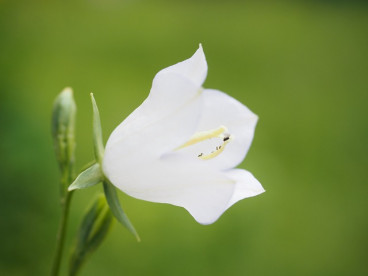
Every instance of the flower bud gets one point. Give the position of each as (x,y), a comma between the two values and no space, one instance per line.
(93,230)
(63,128)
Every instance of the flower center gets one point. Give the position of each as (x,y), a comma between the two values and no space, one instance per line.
(220,132)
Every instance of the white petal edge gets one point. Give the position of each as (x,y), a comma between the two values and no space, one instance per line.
(194,69)
(246,185)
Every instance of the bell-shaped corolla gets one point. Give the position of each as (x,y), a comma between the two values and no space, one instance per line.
(182,144)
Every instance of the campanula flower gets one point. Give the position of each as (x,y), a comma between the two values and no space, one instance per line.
(182,144)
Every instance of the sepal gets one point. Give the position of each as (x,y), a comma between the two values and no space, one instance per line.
(88,178)
(116,209)
(97,132)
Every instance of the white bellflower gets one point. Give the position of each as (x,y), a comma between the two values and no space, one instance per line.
(182,144)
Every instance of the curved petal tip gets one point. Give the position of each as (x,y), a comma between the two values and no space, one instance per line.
(193,69)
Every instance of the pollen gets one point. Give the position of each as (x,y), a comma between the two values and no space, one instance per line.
(220,132)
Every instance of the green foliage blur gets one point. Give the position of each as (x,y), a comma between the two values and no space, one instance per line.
(302,66)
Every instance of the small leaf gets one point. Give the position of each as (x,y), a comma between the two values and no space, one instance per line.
(88,178)
(113,201)
(94,228)
(97,132)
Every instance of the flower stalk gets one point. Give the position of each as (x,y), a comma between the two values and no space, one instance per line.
(60,240)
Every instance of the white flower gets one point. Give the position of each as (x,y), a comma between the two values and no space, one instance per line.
(182,144)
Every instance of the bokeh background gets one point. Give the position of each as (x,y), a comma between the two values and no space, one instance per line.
(302,66)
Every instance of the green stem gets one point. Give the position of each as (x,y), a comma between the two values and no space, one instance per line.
(65,204)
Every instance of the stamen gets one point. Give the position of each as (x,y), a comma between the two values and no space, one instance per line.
(217,152)
(204,135)
(220,132)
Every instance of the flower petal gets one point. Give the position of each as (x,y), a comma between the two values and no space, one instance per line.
(171,95)
(172,88)
(246,185)
(193,69)
(176,180)
(221,109)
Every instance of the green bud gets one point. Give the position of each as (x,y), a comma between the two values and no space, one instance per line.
(94,228)
(63,132)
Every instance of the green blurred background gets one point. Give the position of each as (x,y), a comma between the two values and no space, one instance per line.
(300,65)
